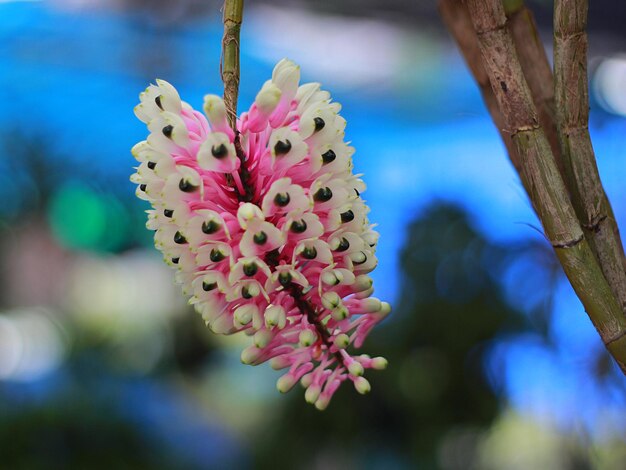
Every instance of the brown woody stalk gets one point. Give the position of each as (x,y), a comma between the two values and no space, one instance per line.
(233,16)
(536,67)
(572,104)
(543,180)
(457,20)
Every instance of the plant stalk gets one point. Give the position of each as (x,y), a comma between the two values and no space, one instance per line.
(537,70)
(572,104)
(229,67)
(457,20)
(543,181)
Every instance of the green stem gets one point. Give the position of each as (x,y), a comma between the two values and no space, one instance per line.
(537,70)
(542,178)
(572,103)
(233,16)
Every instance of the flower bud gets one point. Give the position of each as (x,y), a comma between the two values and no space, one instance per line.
(342,341)
(312,393)
(362,385)
(248,212)
(355,368)
(275,315)
(331,278)
(221,325)
(243,314)
(214,108)
(285,383)
(322,402)
(250,354)
(286,75)
(340,313)
(385,308)
(307,337)
(330,300)
(262,338)
(371,305)
(362,282)
(379,363)
(364,294)
(268,98)
(306,380)
(280,362)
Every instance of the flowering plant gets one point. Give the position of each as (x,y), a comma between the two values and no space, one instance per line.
(266,227)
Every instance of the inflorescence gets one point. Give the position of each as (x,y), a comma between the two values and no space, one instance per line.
(266,226)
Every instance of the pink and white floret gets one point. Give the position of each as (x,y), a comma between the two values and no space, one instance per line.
(266,226)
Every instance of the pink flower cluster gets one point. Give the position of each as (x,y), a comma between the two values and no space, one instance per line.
(266,226)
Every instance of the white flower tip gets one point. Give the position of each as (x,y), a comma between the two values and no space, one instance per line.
(250,355)
(243,314)
(140,113)
(379,363)
(306,380)
(372,305)
(253,290)
(322,403)
(340,313)
(312,393)
(214,108)
(385,308)
(285,383)
(167,98)
(138,148)
(363,282)
(342,341)
(362,385)
(279,362)
(307,338)
(355,369)
(248,212)
(286,75)
(178,130)
(364,294)
(329,278)
(163,83)
(221,325)
(284,65)
(262,338)
(331,300)
(268,98)
(275,315)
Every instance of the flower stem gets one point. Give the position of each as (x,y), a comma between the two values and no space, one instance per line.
(233,16)
(572,103)
(229,68)
(312,316)
(542,178)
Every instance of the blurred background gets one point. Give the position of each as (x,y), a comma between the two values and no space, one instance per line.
(493,362)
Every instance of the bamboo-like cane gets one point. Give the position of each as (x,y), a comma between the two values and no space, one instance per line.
(233,16)
(572,105)
(537,70)
(457,20)
(543,180)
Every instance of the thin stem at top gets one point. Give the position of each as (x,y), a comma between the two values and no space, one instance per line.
(233,16)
